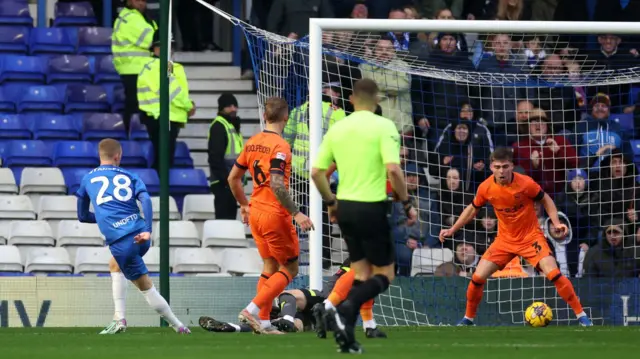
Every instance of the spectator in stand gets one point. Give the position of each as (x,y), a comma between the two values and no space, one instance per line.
(196,26)
(447,53)
(401,40)
(393,81)
(597,135)
(480,10)
(517,127)
(499,102)
(459,150)
(533,52)
(513,10)
(543,156)
(486,229)
(558,101)
(576,202)
(613,56)
(616,187)
(481,135)
(453,199)
(290,18)
(461,41)
(543,10)
(616,256)
(431,8)
(466,257)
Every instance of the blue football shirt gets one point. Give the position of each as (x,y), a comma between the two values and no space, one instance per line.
(113,192)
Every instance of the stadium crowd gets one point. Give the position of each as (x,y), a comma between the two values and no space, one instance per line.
(572,137)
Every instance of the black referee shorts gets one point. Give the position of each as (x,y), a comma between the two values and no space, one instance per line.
(366,230)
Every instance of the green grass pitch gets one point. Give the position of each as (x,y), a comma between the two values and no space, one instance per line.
(405,343)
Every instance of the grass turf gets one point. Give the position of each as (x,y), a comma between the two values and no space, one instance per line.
(434,342)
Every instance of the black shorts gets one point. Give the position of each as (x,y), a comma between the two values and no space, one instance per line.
(366,230)
(312,297)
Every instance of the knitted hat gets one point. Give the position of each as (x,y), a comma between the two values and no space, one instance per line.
(226,100)
(575,173)
(601,97)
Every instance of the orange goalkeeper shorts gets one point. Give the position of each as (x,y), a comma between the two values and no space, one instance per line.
(275,236)
(533,250)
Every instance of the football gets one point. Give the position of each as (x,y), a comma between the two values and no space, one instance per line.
(538,315)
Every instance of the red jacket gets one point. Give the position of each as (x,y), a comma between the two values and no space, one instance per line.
(551,170)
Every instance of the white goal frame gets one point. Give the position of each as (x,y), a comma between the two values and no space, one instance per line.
(316,26)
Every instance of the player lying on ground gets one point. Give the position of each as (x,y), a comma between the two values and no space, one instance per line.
(512,195)
(114,193)
(297,309)
(267,156)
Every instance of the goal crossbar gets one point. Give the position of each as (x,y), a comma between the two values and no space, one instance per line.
(317,26)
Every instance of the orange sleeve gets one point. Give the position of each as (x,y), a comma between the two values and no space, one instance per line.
(481,197)
(241,161)
(533,190)
(280,157)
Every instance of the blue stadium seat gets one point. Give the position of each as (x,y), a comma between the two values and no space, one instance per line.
(7,104)
(74,14)
(115,93)
(75,154)
(22,68)
(86,98)
(96,126)
(15,13)
(625,120)
(27,153)
(137,130)
(3,148)
(94,40)
(133,155)
(635,147)
(52,40)
(73,178)
(150,178)
(50,127)
(13,127)
(182,156)
(40,98)
(104,71)
(68,68)
(14,39)
(633,95)
(188,180)
(17,174)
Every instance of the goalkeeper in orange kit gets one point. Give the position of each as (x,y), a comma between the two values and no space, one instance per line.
(512,195)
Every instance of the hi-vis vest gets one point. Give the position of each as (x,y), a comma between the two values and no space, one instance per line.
(130,42)
(234,142)
(149,92)
(296,133)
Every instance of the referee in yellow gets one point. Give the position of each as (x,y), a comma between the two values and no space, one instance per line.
(364,158)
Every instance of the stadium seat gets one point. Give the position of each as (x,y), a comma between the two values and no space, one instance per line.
(133,156)
(116,97)
(15,13)
(7,182)
(635,147)
(5,230)
(39,98)
(73,177)
(625,120)
(152,260)
(182,156)
(68,68)
(14,39)
(150,178)
(42,180)
(7,103)
(138,131)
(195,260)
(13,127)
(198,207)
(51,40)
(10,259)
(75,154)
(97,126)
(241,261)
(104,71)
(94,40)
(181,234)
(426,260)
(74,14)
(174,214)
(50,127)
(57,207)
(86,98)
(23,153)
(43,259)
(74,233)
(92,260)
(22,68)
(224,233)
(188,181)
(634,95)
(31,233)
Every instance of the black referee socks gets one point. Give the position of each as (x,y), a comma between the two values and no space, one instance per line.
(361,293)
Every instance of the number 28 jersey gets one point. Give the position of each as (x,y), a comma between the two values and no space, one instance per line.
(113,192)
(264,154)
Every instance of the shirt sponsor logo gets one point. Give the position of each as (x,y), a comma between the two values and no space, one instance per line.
(281,156)
(124,221)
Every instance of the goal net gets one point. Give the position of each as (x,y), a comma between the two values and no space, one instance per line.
(563,103)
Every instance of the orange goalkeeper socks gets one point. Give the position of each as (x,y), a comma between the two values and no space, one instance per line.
(272,288)
(341,288)
(366,311)
(266,310)
(474,296)
(565,289)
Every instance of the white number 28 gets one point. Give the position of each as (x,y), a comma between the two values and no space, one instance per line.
(122,184)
